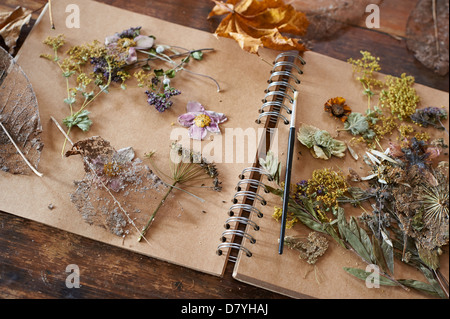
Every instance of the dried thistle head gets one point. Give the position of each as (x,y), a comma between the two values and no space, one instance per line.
(435,199)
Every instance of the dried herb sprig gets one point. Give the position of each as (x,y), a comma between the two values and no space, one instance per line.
(365,69)
(186,166)
(411,202)
(430,116)
(96,67)
(310,249)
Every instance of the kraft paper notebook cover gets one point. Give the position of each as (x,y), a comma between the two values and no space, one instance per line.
(187,232)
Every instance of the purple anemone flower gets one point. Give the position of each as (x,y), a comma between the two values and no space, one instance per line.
(141,42)
(200,121)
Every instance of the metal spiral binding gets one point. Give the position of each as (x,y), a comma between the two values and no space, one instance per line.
(287,63)
(253,182)
(250,195)
(293,54)
(284,74)
(240,220)
(246,207)
(277,93)
(258,120)
(231,246)
(237,232)
(284,83)
(258,170)
(275,103)
(281,85)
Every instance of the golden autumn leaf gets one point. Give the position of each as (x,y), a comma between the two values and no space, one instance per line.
(260,23)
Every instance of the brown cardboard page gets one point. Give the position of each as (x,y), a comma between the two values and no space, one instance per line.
(185,231)
(323,78)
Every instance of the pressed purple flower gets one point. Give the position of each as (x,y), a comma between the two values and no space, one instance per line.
(200,121)
(429,116)
(130,40)
(161,101)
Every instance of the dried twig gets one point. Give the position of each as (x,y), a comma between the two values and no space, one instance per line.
(18,150)
(50,12)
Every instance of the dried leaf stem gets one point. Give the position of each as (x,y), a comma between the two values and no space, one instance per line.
(146,227)
(18,149)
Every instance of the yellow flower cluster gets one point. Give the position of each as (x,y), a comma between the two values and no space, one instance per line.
(143,78)
(366,66)
(405,130)
(83,79)
(290,220)
(82,53)
(400,96)
(327,185)
(387,126)
(422,136)
(55,42)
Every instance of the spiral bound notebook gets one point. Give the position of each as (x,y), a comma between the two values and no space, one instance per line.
(251,237)
(234,225)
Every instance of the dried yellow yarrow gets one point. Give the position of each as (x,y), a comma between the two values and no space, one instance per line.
(400,96)
(290,220)
(327,186)
(55,42)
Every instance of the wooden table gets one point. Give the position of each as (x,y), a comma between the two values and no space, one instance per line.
(33,257)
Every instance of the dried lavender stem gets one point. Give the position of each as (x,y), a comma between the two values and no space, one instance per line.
(18,150)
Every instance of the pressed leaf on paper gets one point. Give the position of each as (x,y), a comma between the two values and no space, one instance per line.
(254,24)
(20,117)
(11,23)
(118,190)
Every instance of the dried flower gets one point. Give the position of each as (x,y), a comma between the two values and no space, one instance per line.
(320,142)
(430,116)
(365,69)
(186,166)
(200,121)
(400,96)
(338,108)
(310,250)
(326,186)
(271,165)
(97,66)
(358,124)
(161,101)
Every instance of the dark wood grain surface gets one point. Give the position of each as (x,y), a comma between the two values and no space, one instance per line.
(34,257)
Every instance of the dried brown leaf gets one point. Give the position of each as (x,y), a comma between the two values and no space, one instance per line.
(20,117)
(10,25)
(427,34)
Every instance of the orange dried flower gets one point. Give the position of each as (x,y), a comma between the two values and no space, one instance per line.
(338,108)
